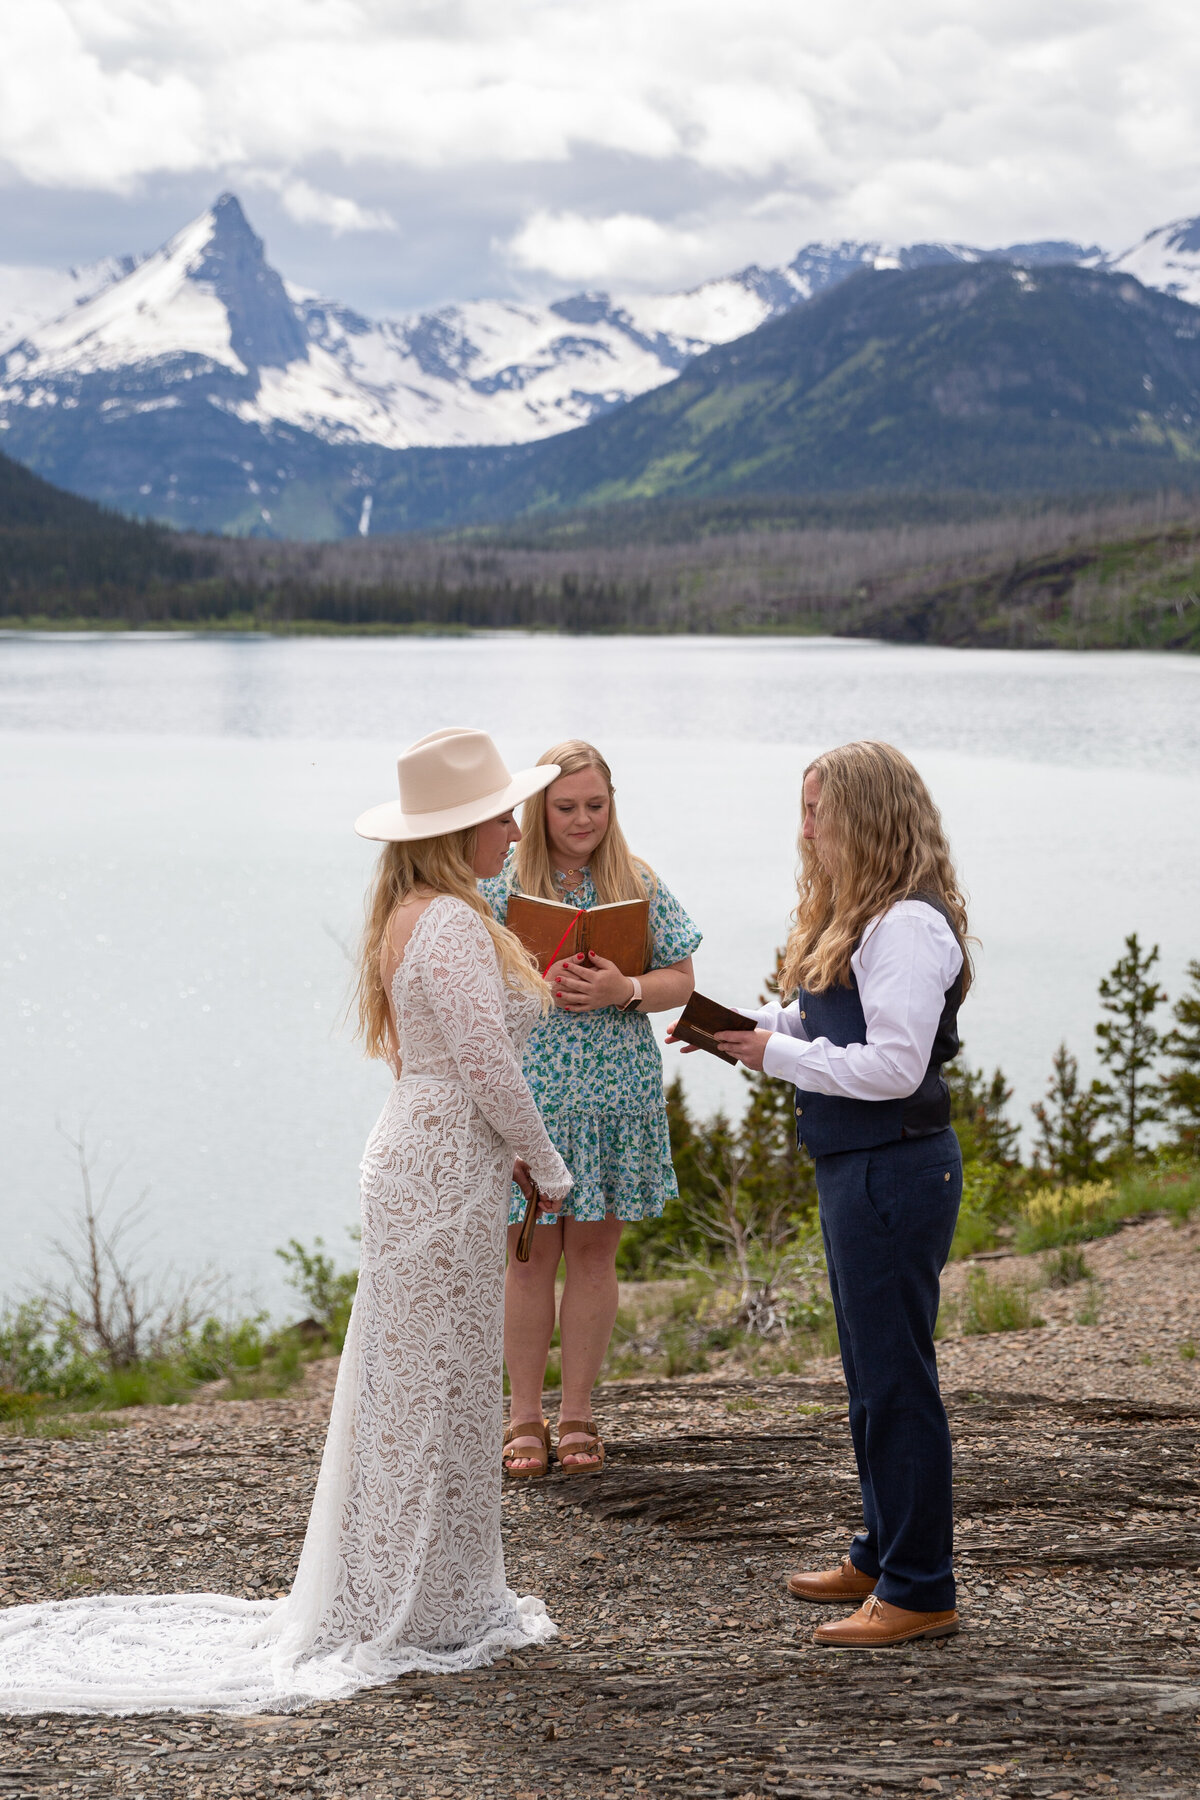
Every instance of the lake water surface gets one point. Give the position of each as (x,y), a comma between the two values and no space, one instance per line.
(181,881)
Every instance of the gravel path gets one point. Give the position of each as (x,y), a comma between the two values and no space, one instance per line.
(683,1667)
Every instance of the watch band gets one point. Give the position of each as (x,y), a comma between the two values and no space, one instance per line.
(635,999)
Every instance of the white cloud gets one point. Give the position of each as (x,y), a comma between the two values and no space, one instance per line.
(987,119)
(309,205)
(623,245)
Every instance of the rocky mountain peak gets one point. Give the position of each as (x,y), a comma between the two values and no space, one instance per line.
(1183,236)
(1167,258)
(264,329)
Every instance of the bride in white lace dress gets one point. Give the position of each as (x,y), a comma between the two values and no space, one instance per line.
(402,1566)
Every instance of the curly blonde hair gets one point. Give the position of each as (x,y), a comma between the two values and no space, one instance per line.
(888,845)
(437,865)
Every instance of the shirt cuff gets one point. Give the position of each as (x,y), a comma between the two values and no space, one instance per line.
(783,1057)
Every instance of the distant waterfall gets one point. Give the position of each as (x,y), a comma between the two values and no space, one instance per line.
(364,517)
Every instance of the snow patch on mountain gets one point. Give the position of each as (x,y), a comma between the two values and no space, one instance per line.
(1167,259)
(157,310)
(30,295)
(499,372)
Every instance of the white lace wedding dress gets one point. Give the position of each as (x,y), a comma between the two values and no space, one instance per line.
(402,1566)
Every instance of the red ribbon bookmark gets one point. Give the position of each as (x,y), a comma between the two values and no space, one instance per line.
(562,940)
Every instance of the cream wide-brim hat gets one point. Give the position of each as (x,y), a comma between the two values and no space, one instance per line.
(449,781)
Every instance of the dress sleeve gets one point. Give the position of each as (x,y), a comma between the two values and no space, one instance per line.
(461,981)
(675,935)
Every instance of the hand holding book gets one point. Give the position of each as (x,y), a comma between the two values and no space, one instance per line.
(586,981)
(550,931)
(707,1025)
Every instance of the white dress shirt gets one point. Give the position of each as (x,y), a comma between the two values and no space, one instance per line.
(907,960)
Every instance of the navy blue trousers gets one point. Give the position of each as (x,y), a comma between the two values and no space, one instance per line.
(887,1218)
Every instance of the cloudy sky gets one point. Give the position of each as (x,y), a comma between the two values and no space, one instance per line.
(398,153)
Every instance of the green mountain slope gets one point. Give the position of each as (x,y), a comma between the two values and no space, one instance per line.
(982,377)
(60,553)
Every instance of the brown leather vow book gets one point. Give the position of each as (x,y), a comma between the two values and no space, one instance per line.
(702,1018)
(550,930)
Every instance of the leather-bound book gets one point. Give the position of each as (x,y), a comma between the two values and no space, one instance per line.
(550,930)
(702,1018)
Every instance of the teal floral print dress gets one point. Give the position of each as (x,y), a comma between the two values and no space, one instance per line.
(597,1078)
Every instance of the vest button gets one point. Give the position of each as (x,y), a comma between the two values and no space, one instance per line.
(946,1176)
(804,1015)
(800,1115)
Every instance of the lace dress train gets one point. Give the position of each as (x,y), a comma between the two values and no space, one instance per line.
(402,1566)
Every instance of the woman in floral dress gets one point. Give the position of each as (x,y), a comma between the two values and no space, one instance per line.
(595,1070)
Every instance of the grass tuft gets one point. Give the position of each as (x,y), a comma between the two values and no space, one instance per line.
(1065,1267)
(991,1305)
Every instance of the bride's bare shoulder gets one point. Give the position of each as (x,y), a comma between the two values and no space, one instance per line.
(399,930)
(403,923)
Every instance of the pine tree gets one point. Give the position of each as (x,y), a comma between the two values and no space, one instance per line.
(1181,1085)
(1128,1043)
(979,1114)
(1069,1140)
(652,1246)
(778,1172)
(777,1169)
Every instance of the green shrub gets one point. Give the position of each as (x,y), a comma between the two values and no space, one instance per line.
(990,1305)
(988,1199)
(974,1232)
(327,1291)
(1065,1267)
(14,1405)
(1067,1215)
(682,1352)
(157,1383)
(44,1367)
(42,1354)
(1171,1185)
(220,1347)
(1095,1209)
(1088,1311)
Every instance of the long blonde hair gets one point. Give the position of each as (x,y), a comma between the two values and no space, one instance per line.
(617,874)
(442,865)
(888,845)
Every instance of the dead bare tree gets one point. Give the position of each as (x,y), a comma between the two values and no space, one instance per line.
(124,1314)
(774,1265)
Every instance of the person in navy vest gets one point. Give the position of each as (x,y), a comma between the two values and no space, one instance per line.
(878,961)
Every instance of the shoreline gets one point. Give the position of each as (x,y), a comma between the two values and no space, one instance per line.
(37,627)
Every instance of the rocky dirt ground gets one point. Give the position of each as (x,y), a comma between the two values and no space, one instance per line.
(683,1667)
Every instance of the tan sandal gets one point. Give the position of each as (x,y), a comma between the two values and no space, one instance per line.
(591,1446)
(537,1455)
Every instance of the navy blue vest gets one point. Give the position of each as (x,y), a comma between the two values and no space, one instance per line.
(826,1123)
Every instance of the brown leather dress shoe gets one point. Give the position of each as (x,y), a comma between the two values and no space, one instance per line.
(831,1586)
(877,1624)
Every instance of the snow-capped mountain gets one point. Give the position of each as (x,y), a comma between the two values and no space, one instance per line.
(821,266)
(29,296)
(207,306)
(1167,259)
(196,385)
